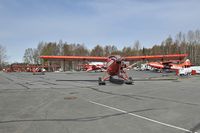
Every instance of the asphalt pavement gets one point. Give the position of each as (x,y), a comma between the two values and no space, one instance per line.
(73,102)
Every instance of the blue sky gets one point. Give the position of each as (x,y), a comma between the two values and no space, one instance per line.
(25,23)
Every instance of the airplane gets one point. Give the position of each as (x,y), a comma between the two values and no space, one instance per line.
(101,66)
(170,65)
(93,66)
(115,64)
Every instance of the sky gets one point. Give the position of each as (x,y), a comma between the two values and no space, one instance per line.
(25,23)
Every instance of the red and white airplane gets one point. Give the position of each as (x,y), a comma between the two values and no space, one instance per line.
(115,64)
(170,64)
(100,66)
(93,66)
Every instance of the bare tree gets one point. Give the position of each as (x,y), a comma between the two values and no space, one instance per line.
(67,49)
(97,51)
(81,50)
(2,56)
(136,47)
(31,56)
(107,50)
(127,51)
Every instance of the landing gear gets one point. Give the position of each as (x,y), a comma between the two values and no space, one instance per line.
(101,82)
(112,79)
(129,81)
(116,80)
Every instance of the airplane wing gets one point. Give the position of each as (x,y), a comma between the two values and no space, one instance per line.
(156,65)
(157,57)
(77,58)
(128,58)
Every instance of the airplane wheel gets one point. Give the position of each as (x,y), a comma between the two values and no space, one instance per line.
(130,78)
(129,81)
(101,82)
(116,80)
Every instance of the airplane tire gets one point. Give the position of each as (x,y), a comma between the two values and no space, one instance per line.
(116,81)
(130,78)
(101,82)
(129,81)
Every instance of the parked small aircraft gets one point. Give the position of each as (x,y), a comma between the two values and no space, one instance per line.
(116,66)
(170,65)
(93,66)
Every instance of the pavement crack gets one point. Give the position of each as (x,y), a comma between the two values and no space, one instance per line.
(195,128)
(9,78)
(23,85)
(111,93)
(81,119)
(166,99)
(139,97)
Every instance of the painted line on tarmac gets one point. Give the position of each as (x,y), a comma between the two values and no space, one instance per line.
(144,118)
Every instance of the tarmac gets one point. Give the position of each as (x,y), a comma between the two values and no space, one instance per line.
(73,102)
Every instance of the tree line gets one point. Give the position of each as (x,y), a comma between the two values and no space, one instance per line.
(182,43)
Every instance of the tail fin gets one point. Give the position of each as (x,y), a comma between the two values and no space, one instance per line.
(187,63)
